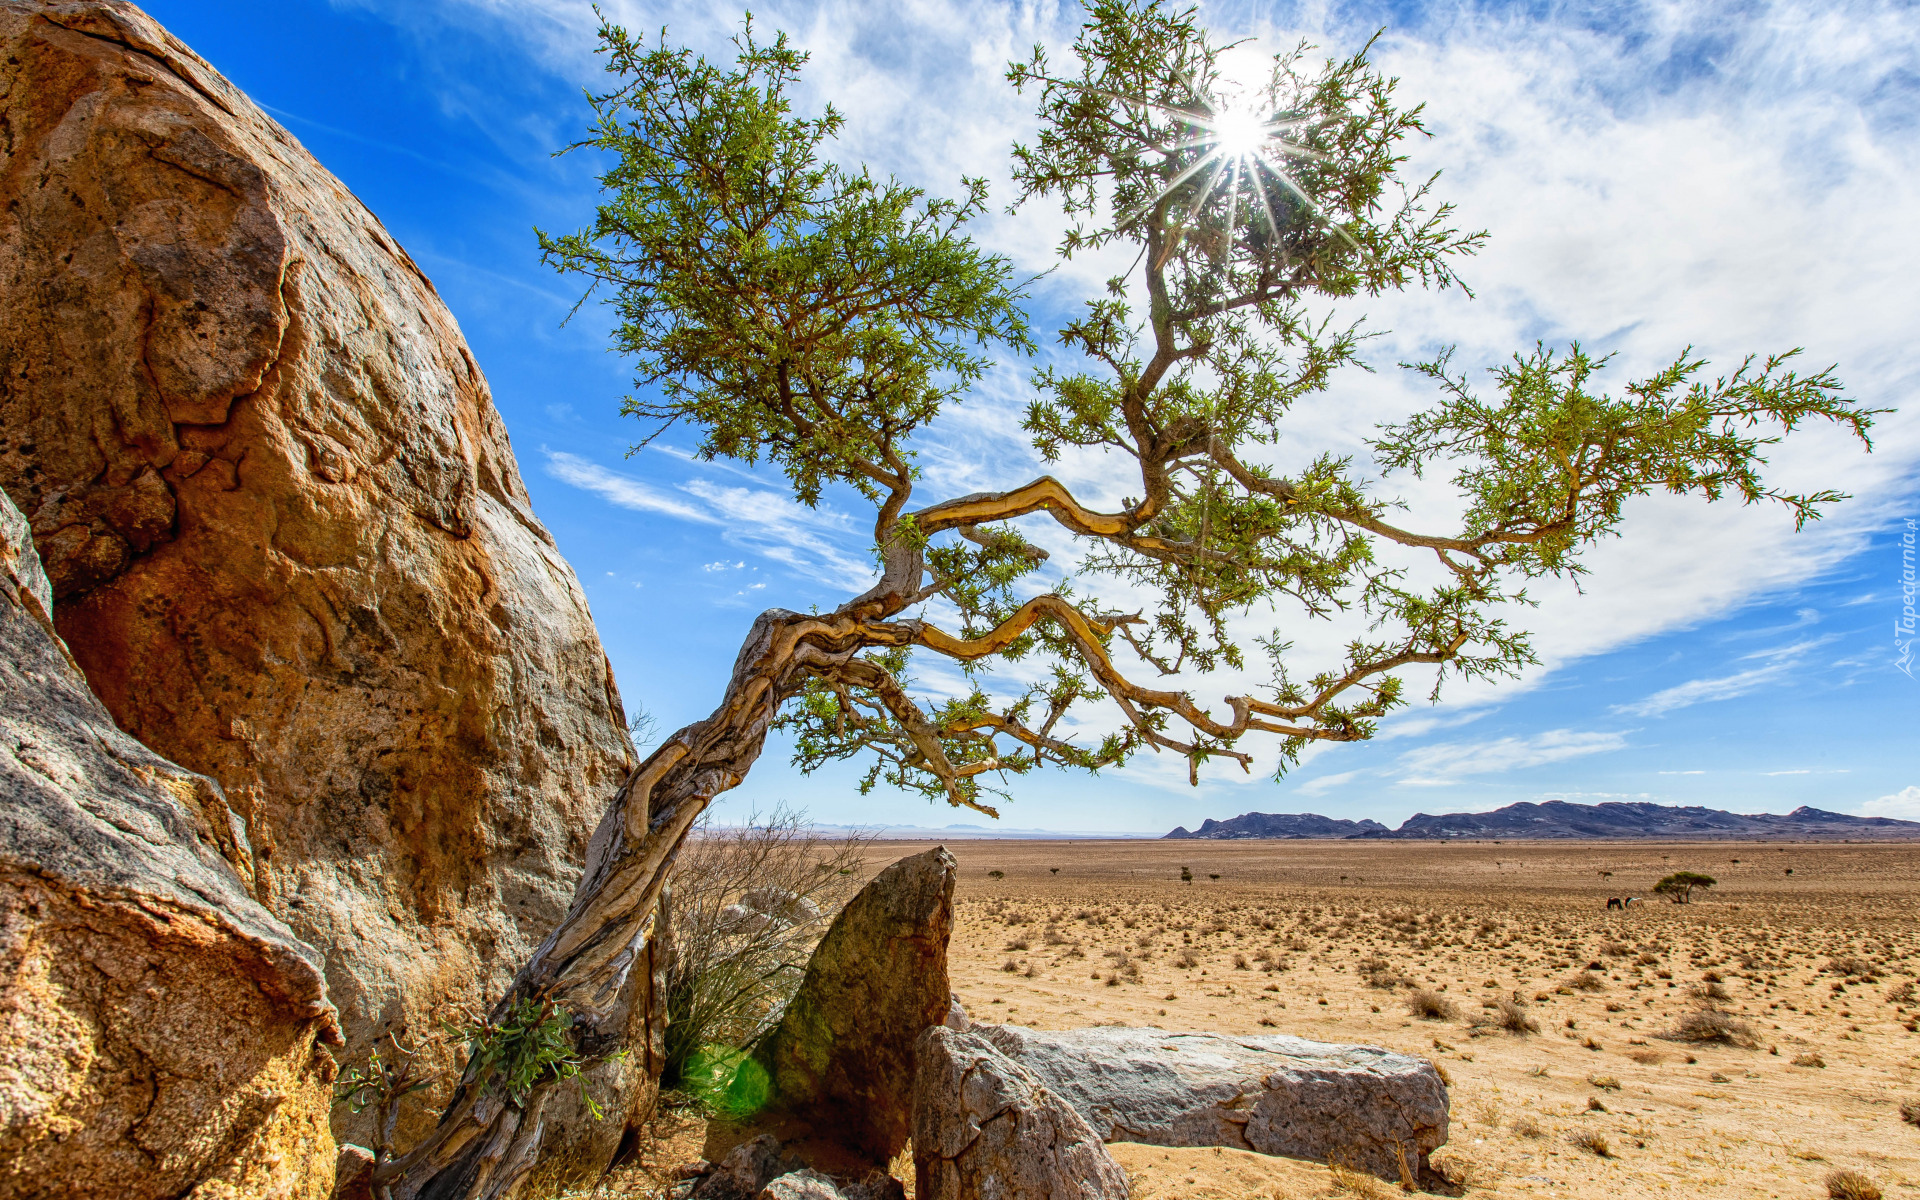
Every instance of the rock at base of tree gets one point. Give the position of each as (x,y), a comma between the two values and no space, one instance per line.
(762,1169)
(801,1185)
(161,1028)
(985,1128)
(837,1070)
(745,1171)
(353,1173)
(1360,1106)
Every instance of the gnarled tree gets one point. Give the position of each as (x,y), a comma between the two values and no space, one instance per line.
(817,318)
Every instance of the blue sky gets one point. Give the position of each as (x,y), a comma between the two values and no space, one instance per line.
(1739,177)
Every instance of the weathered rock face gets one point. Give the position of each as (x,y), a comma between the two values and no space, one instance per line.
(287,540)
(839,1065)
(1358,1105)
(159,1026)
(986,1128)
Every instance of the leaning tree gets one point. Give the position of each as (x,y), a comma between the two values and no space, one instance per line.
(790,310)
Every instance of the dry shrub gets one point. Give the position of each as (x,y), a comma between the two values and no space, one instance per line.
(1349,1182)
(1526,1127)
(1901,993)
(1853,966)
(1586,981)
(1809,1060)
(1711,1025)
(1851,1185)
(1613,949)
(1910,1112)
(1647,1058)
(1593,1142)
(747,907)
(1510,1015)
(1708,991)
(1605,1083)
(1430,1005)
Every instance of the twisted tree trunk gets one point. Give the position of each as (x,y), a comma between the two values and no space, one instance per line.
(486,1143)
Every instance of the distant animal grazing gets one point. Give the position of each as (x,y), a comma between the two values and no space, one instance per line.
(1614,902)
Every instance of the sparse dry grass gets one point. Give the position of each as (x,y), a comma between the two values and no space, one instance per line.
(1337,959)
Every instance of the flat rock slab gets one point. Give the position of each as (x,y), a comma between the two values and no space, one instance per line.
(1361,1106)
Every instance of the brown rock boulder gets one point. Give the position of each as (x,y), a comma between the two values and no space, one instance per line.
(835,1076)
(158,1027)
(984,1128)
(287,540)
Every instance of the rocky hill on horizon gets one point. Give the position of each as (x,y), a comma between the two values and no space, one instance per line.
(1562,819)
(1281,825)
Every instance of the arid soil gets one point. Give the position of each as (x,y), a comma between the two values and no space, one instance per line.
(1332,940)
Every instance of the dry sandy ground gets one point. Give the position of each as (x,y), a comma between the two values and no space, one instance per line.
(1328,940)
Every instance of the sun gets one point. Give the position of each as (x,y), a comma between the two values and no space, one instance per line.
(1239,133)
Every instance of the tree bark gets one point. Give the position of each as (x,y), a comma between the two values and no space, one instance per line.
(486,1144)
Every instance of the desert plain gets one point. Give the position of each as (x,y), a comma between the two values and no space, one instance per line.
(1583,1083)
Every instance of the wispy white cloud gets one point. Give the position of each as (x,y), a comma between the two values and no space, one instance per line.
(1781,663)
(1449,762)
(1315,787)
(811,541)
(623,490)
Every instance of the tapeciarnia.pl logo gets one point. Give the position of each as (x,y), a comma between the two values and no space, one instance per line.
(1903,627)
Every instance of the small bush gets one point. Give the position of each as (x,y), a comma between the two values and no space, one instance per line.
(1508,1015)
(1186,960)
(1809,1060)
(1009,966)
(1711,1025)
(1851,1185)
(1526,1127)
(1586,981)
(1708,991)
(1852,966)
(1594,1142)
(1647,1058)
(1430,1005)
(747,907)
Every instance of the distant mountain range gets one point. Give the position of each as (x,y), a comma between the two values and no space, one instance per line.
(1283,825)
(1559,819)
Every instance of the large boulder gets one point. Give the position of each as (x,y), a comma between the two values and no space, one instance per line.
(1361,1106)
(287,540)
(986,1128)
(160,1027)
(833,1081)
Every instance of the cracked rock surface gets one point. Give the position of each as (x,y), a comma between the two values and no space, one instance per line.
(1359,1105)
(285,534)
(986,1128)
(159,1028)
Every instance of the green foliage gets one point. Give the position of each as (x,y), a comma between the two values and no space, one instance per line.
(530,1044)
(810,313)
(1682,884)
(782,305)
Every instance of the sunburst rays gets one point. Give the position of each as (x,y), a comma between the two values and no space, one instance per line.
(1243,137)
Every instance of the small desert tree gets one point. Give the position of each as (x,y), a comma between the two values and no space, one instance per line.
(1681,885)
(790,311)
